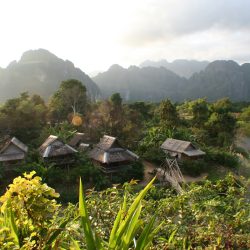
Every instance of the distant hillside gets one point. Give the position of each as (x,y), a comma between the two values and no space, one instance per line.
(134,83)
(41,72)
(185,68)
(219,79)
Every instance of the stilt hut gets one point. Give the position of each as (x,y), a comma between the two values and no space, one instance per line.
(13,152)
(110,155)
(56,151)
(181,149)
(176,150)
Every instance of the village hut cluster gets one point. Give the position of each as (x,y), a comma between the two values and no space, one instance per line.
(109,155)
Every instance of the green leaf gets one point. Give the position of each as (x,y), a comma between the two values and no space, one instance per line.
(55,234)
(11,223)
(171,237)
(85,223)
(142,241)
(124,224)
(131,229)
(75,244)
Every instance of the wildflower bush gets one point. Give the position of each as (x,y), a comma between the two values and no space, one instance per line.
(33,206)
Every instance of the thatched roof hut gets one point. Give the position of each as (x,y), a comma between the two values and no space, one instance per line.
(179,148)
(13,151)
(76,140)
(54,148)
(110,154)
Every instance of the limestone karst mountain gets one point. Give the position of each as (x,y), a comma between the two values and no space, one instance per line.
(41,72)
(219,79)
(146,84)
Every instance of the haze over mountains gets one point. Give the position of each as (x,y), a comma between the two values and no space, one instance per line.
(219,79)
(41,72)
(181,67)
(134,83)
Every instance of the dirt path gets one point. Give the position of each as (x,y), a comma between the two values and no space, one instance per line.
(244,142)
(150,167)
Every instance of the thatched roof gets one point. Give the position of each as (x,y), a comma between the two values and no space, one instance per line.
(53,147)
(109,150)
(13,150)
(183,147)
(77,139)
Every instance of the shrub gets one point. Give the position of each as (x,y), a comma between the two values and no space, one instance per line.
(193,167)
(33,205)
(133,171)
(224,158)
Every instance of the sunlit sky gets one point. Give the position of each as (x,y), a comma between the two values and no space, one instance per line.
(94,34)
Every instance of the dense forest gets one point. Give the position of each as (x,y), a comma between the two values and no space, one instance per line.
(45,206)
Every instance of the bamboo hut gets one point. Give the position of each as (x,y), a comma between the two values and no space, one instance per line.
(56,151)
(110,155)
(13,152)
(181,149)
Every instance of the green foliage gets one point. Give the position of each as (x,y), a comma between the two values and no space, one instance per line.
(63,130)
(142,108)
(133,171)
(208,216)
(244,121)
(116,99)
(31,206)
(200,112)
(223,105)
(221,157)
(23,117)
(194,167)
(125,228)
(211,216)
(168,114)
(148,147)
(64,178)
(221,128)
(70,98)
(204,216)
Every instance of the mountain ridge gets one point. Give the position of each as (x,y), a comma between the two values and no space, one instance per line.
(41,72)
(219,79)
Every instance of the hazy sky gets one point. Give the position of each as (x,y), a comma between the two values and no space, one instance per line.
(94,34)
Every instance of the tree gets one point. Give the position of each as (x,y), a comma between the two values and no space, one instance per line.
(244,121)
(222,105)
(142,108)
(71,98)
(23,117)
(200,112)
(116,100)
(221,128)
(168,114)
